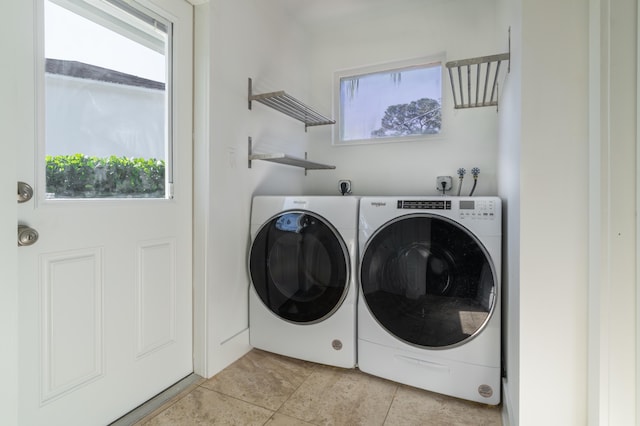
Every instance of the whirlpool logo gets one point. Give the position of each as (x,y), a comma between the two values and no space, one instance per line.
(378,204)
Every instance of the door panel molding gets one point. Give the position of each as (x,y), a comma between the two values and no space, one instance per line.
(65,366)
(156,295)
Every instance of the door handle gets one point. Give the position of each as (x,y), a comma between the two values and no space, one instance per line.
(26,236)
(25,192)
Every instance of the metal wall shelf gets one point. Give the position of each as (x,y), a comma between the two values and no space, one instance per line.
(288,160)
(291,161)
(288,105)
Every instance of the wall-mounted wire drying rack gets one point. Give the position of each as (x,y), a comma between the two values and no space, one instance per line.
(288,105)
(287,159)
(479,87)
(474,81)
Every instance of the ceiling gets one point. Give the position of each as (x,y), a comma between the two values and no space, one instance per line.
(317,12)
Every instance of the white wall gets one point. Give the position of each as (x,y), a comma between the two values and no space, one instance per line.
(393,31)
(235,41)
(545,184)
(553,241)
(619,195)
(570,193)
(509,137)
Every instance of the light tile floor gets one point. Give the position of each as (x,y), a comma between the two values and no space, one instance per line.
(267,389)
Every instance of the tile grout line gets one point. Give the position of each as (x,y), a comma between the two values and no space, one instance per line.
(314,367)
(273,411)
(393,398)
(239,399)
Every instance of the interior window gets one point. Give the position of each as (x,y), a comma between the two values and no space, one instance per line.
(393,102)
(107,133)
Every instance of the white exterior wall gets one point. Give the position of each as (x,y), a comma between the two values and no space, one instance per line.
(102,119)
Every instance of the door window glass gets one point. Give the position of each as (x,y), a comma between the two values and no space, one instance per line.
(299,267)
(428,281)
(107,132)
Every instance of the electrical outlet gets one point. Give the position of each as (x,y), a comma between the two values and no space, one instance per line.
(347,186)
(448,181)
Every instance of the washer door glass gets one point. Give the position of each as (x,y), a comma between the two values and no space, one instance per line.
(299,267)
(428,281)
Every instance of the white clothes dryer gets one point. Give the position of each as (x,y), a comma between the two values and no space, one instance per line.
(429,302)
(302,263)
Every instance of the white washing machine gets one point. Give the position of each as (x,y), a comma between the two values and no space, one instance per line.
(429,302)
(302,263)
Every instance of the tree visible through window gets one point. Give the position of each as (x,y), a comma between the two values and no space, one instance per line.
(391,104)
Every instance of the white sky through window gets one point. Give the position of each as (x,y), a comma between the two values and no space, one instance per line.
(69,36)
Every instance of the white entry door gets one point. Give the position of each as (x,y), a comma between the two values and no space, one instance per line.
(105,302)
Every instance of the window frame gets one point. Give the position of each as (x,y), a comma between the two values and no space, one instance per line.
(121,17)
(421,62)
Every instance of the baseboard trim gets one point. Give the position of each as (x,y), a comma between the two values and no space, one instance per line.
(507,406)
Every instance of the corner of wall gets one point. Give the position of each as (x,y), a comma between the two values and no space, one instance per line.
(201,178)
(266,50)
(228,351)
(507,413)
(509,140)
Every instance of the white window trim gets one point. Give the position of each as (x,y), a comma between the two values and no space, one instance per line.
(154,36)
(116,19)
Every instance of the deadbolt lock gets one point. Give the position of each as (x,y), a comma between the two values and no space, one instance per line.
(25,192)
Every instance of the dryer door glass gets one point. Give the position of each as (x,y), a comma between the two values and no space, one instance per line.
(428,281)
(299,267)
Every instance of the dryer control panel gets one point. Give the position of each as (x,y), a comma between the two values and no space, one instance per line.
(425,204)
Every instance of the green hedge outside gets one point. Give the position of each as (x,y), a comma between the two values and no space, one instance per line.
(80,176)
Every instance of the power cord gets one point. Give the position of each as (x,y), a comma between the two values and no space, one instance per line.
(343,188)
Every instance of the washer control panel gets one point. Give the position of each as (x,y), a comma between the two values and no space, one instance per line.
(477,210)
(465,208)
